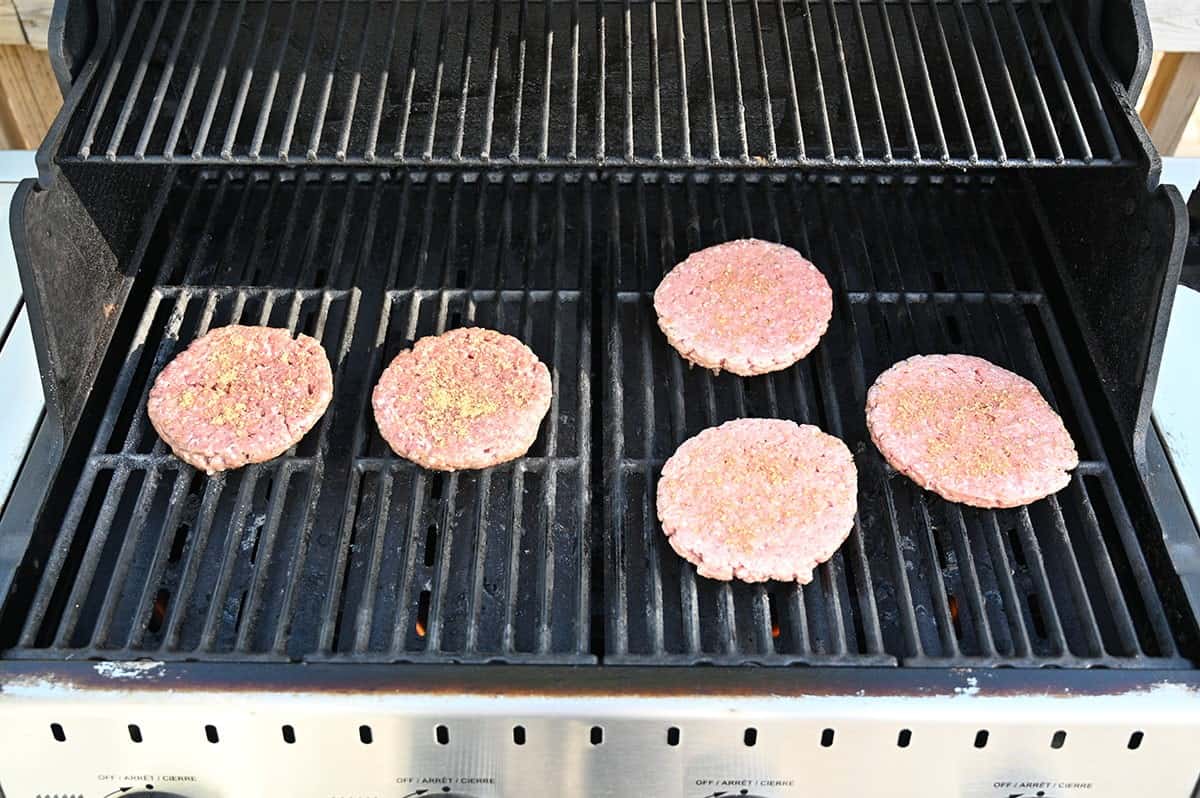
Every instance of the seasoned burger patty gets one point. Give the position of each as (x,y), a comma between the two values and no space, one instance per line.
(969,431)
(240,395)
(469,398)
(745,306)
(757,499)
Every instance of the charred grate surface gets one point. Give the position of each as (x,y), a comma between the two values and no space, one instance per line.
(916,268)
(153,554)
(474,565)
(815,82)
(340,551)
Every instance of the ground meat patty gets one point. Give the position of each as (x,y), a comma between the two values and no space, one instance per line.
(469,398)
(745,306)
(969,431)
(240,395)
(758,499)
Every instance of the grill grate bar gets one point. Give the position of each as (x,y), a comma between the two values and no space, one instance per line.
(465,88)
(478,564)
(688,596)
(627,51)
(549,506)
(852,116)
(792,95)
(268,101)
(110,81)
(974,587)
(681,68)
(493,76)
(905,108)
(602,76)
(385,75)
(832,165)
(547,83)
(410,82)
(870,61)
(956,89)
(314,143)
(160,91)
(1034,83)
(1060,78)
(713,131)
(293,112)
(214,95)
(727,629)
(351,106)
(366,610)
(435,102)
(573,107)
(1090,88)
(981,83)
(830,153)
(740,100)
(927,83)
(519,80)
(655,82)
(189,87)
(239,102)
(654,604)
(1005,72)
(614,435)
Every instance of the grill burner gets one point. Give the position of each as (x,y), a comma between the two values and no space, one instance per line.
(340,551)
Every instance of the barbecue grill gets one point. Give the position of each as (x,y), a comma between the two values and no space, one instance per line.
(968,174)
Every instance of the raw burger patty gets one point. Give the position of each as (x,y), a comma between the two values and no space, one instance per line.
(745,306)
(758,499)
(240,395)
(969,431)
(469,398)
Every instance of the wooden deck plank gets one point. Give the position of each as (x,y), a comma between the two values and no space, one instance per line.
(29,96)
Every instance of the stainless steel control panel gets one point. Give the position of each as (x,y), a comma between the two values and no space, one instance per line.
(56,739)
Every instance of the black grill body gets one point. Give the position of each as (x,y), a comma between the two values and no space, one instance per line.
(968,175)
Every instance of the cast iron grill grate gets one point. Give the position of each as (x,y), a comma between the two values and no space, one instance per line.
(741,82)
(340,551)
(918,267)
